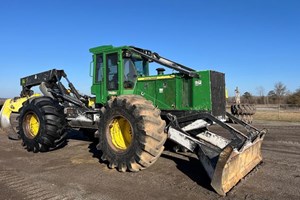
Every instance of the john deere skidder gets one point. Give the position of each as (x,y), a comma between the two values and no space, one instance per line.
(132,114)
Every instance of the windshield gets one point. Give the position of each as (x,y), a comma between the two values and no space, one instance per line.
(133,68)
(141,67)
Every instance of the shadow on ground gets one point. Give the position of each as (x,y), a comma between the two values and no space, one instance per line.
(193,169)
(86,136)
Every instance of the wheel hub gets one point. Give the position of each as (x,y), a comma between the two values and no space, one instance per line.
(31,125)
(121,133)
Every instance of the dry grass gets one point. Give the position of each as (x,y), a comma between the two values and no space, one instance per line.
(288,116)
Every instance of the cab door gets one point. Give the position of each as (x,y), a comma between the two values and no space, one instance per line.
(113,67)
(106,76)
(98,78)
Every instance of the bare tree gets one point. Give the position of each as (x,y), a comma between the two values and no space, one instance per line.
(280,91)
(261,94)
(260,91)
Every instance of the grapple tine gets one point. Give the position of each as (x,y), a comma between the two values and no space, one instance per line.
(233,165)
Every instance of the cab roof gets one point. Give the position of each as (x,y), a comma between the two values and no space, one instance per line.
(104,48)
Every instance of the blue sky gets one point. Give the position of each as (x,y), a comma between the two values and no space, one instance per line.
(256,43)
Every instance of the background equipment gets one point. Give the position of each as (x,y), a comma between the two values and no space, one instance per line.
(243,112)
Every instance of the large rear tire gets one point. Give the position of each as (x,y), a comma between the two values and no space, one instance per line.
(42,124)
(131,133)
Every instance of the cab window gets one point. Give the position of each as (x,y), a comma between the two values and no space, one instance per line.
(112,71)
(130,74)
(99,68)
(141,67)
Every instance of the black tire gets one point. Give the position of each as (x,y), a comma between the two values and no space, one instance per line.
(50,116)
(146,129)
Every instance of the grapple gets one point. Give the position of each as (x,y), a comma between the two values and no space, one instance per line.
(228,156)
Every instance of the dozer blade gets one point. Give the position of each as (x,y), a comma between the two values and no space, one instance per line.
(226,160)
(233,165)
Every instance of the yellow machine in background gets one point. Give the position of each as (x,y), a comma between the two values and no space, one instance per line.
(9,113)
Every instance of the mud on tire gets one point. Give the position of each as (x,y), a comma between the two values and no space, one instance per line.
(42,124)
(147,136)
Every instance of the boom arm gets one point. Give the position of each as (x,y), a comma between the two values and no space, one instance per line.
(163,61)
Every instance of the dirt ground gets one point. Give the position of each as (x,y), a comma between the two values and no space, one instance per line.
(75,172)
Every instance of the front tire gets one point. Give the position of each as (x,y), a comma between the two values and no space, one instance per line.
(42,124)
(131,133)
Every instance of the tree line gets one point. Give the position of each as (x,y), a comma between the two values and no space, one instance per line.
(279,95)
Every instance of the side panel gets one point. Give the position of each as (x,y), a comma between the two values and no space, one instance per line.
(147,89)
(165,93)
(161,90)
(175,92)
(187,91)
(201,93)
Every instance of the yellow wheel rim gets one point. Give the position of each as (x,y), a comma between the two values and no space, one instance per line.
(31,125)
(121,133)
